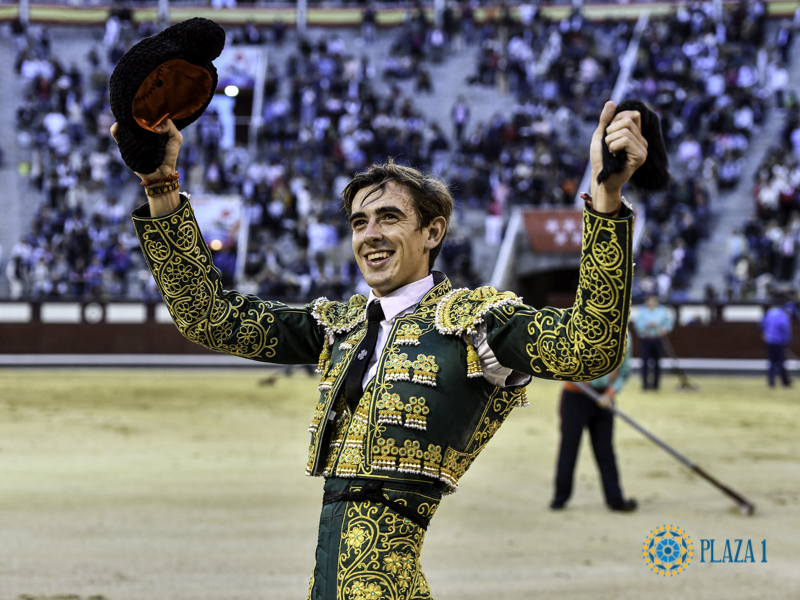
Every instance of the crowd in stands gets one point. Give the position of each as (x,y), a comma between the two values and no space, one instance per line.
(762,254)
(559,74)
(708,73)
(80,244)
(325,117)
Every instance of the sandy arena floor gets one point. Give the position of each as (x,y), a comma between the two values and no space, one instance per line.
(189,485)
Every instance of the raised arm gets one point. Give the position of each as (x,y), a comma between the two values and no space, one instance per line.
(587,340)
(181,263)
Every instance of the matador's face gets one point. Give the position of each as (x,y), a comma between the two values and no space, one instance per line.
(390,248)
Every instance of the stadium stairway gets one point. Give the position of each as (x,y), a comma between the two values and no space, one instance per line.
(731,208)
(15,207)
(69,45)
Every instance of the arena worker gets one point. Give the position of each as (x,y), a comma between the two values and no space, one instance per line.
(652,322)
(416,378)
(591,409)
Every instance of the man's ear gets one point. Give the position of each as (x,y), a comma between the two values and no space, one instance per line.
(436,232)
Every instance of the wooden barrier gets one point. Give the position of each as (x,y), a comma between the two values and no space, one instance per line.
(92,334)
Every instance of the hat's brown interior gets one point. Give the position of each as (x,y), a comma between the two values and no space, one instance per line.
(175,90)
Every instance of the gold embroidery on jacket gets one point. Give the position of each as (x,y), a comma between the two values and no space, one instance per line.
(397,366)
(339,317)
(351,457)
(408,334)
(416,413)
(410,456)
(462,311)
(455,463)
(390,409)
(425,370)
(330,376)
(384,454)
(353,340)
(324,358)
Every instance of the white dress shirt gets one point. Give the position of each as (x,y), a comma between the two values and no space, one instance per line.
(403,301)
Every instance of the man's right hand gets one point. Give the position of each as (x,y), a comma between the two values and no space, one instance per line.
(164,203)
(606,401)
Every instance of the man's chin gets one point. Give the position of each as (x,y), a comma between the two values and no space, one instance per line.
(380,284)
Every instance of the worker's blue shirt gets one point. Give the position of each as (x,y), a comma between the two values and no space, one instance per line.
(777,326)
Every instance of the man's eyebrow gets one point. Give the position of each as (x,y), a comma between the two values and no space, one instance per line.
(357,215)
(382,210)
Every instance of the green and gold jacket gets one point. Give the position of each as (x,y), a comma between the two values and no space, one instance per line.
(428,412)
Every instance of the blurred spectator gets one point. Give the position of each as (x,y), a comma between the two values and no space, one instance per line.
(251,35)
(460,116)
(368,24)
(776,327)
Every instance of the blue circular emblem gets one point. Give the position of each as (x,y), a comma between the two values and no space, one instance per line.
(668,550)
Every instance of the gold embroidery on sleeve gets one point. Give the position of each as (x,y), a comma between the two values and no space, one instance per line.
(588,340)
(202,311)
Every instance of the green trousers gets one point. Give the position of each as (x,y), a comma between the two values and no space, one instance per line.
(366,550)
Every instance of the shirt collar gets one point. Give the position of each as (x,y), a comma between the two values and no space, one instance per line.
(402,298)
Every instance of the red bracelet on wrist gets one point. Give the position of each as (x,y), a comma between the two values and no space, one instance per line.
(168,179)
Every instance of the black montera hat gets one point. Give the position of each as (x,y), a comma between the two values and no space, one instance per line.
(168,75)
(653,175)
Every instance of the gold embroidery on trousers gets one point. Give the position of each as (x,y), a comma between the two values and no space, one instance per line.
(379,556)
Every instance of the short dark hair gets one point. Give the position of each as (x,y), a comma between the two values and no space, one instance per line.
(429,194)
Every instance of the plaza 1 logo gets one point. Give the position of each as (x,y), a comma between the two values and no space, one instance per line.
(668,550)
(731,551)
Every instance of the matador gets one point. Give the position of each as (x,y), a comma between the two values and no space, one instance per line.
(416,378)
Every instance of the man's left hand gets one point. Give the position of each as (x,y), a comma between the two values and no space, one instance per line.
(621,132)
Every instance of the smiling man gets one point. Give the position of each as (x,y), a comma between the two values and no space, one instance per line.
(415,379)
(399,219)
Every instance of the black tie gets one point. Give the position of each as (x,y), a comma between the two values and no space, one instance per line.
(355,374)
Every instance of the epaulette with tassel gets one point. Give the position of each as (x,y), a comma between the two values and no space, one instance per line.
(339,317)
(461,312)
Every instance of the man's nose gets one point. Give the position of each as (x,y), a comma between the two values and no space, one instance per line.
(373,230)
